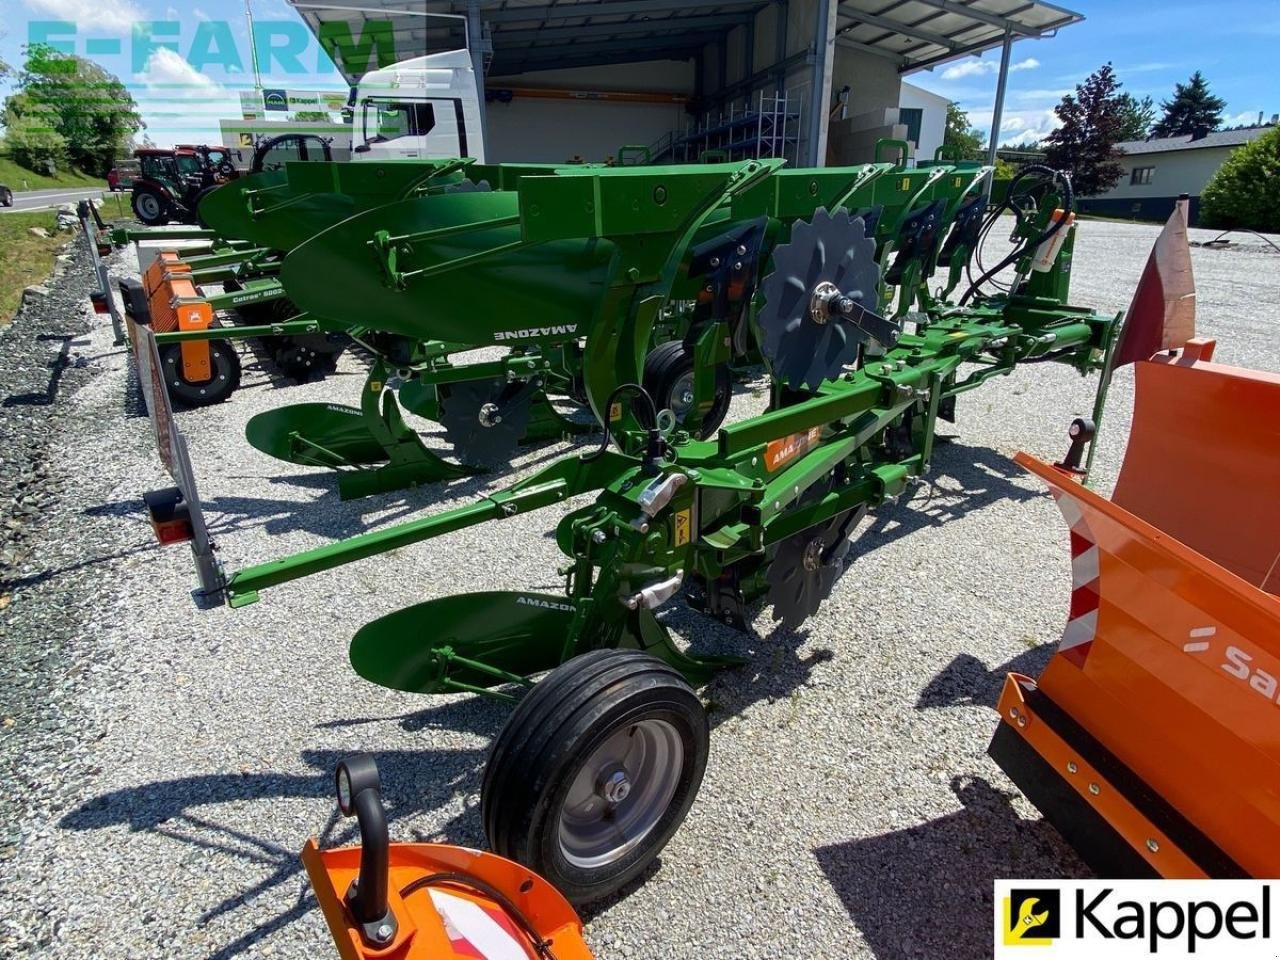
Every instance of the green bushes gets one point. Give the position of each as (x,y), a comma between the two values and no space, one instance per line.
(1245,192)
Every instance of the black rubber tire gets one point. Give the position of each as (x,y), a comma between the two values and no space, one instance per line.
(150,218)
(226,375)
(670,362)
(551,734)
(6,197)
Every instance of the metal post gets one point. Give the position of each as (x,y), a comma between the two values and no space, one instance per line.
(780,43)
(997,115)
(475,43)
(820,92)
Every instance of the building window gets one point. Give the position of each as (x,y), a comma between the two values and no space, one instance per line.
(1141,176)
(912,117)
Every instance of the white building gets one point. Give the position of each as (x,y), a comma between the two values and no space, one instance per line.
(924,114)
(1158,171)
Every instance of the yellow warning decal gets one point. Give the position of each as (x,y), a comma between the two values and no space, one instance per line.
(906,184)
(375,386)
(615,413)
(957,181)
(684,521)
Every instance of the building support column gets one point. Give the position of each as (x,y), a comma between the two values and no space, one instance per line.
(997,114)
(477,43)
(820,95)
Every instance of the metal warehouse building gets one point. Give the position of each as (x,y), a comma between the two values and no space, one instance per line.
(815,81)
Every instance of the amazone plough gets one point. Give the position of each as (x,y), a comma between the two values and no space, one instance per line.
(848,284)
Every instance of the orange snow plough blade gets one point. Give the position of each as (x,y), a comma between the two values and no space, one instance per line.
(1150,738)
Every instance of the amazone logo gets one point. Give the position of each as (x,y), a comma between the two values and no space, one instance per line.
(544,604)
(530,333)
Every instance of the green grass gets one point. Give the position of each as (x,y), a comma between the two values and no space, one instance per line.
(24,259)
(12,176)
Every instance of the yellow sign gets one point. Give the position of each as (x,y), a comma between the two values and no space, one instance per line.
(906,184)
(684,521)
(1028,911)
(615,413)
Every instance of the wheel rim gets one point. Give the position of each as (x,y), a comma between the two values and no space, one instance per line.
(621,793)
(682,396)
(148,205)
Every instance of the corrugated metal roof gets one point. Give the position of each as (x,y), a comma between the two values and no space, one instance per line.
(545,34)
(1219,138)
(918,34)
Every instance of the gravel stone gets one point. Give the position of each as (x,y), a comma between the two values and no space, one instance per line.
(162,766)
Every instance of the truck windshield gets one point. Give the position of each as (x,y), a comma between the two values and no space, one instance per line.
(390,120)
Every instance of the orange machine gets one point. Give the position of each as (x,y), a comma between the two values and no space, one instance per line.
(1152,738)
(175,305)
(427,901)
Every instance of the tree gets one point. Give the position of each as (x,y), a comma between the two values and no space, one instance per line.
(1191,107)
(1026,146)
(1245,192)
(74,98)
(961,134)
(1085,144)
(1137,116)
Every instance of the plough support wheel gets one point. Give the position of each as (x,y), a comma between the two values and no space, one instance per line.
(595,770)
(224,364)
(467,642)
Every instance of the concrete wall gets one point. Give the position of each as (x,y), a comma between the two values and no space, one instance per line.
(871,113)
(552,131)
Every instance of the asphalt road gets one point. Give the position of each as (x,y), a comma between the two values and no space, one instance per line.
(44,199)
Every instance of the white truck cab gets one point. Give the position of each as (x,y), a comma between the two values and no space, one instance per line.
(418,109)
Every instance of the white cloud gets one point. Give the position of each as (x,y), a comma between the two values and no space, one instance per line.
(977,68)
(179,103)
(109,16)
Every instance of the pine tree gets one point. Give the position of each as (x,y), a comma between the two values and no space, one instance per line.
(1092,123)
(1192,106)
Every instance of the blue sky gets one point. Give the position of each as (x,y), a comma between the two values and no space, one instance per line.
(1151,45)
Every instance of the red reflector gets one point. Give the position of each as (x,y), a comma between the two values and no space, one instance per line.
(169,516)
(172,531)
(100,304)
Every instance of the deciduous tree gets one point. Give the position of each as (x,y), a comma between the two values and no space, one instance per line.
(1085,144)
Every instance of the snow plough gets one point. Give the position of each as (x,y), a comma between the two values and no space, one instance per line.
(1148,740)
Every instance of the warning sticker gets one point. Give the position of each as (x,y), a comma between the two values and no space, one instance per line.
(615,413)
(684,524)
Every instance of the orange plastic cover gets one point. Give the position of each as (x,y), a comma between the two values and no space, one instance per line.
(446,921)
(1171,656)
(176,305)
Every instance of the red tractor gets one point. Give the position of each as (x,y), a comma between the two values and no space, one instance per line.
(171,183)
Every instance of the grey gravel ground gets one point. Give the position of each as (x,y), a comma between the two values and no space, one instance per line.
(163,765)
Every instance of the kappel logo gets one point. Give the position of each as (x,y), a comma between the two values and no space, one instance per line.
(1032,918)
(1134,919)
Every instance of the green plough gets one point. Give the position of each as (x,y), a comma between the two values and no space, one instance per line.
(829,275)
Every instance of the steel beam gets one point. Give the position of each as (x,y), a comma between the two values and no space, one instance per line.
(997,113)
(893,26)
(820,93)
(994,19)
(476,44)
(611,8)
(587,30)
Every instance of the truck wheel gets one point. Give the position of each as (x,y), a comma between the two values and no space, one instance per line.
(150,207)
(595,770)
(226,375)
(669,379)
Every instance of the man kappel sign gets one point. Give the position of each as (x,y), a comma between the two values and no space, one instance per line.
(1114,919)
